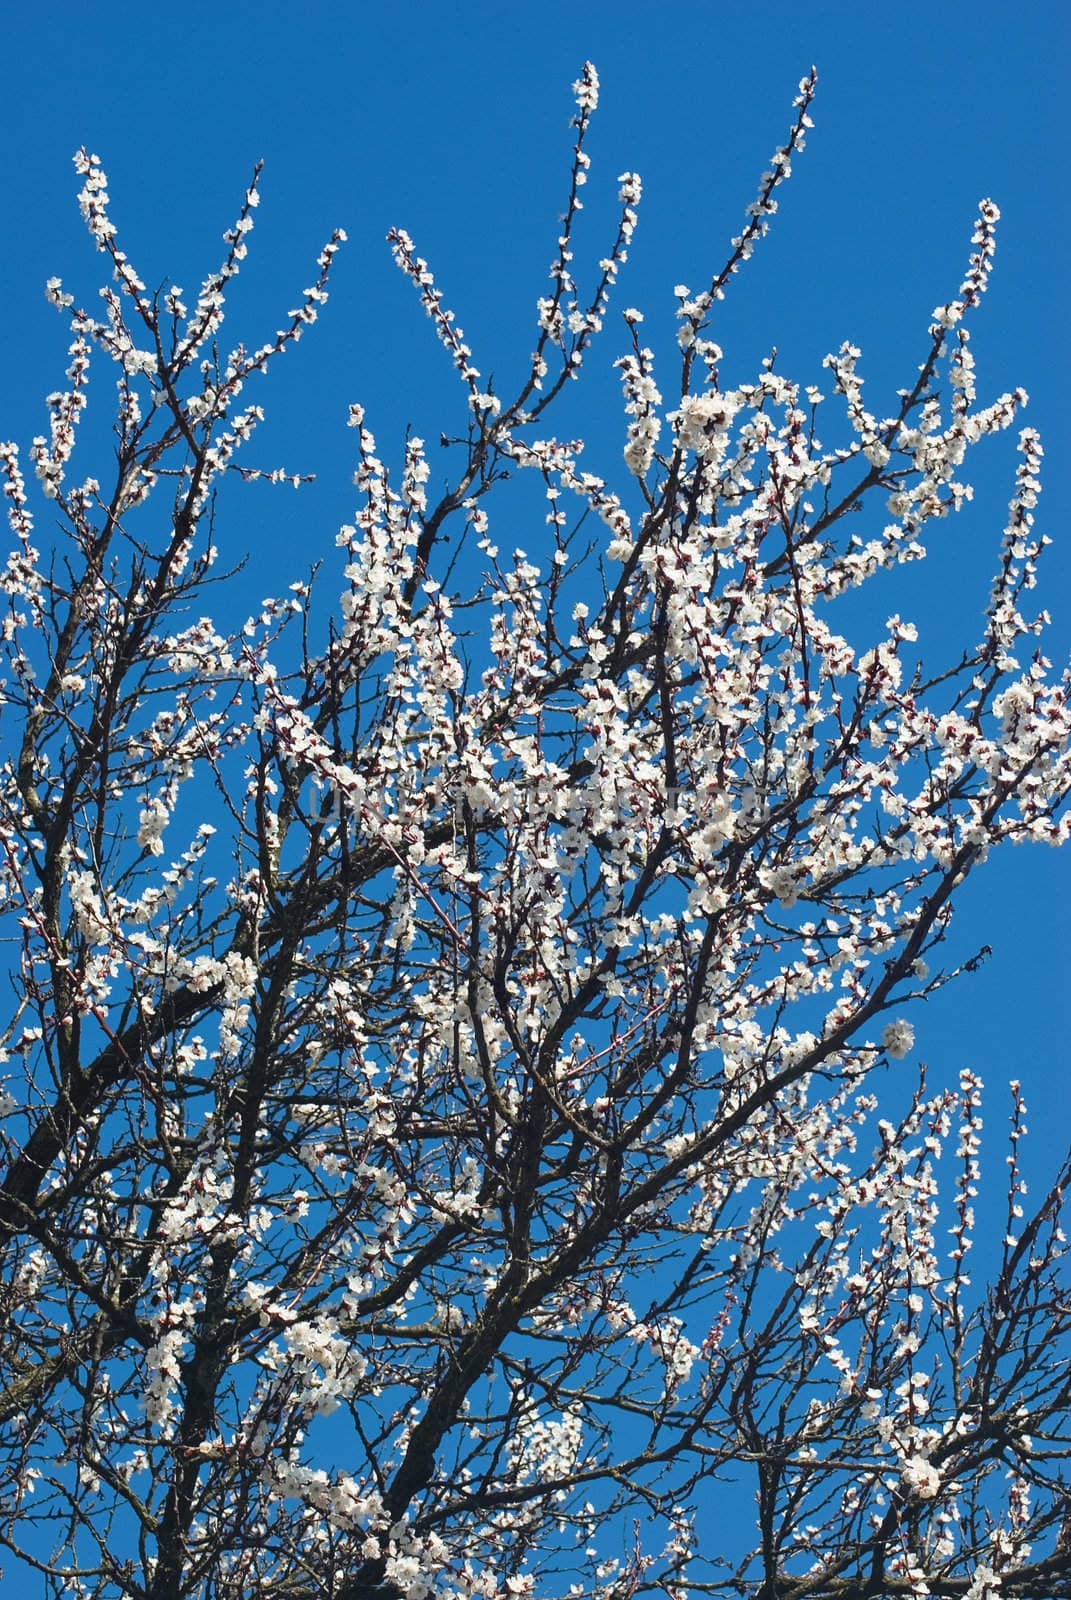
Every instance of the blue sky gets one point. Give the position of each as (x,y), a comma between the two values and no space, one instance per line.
(452,122)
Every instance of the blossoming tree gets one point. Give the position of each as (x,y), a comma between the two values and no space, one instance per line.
(440,1148)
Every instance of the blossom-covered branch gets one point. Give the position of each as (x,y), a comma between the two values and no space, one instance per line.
(460,1098)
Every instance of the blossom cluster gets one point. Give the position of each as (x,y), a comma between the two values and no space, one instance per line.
(457,1009)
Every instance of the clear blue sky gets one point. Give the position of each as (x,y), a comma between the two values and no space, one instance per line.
(451,120)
